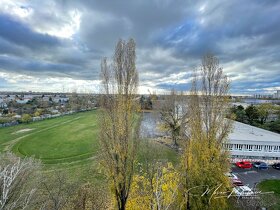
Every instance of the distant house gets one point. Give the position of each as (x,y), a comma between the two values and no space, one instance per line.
(46,98)
(36,118)
(23,101)
(245,105)
(17,116)
(9,98)
(60,99)
(3,105)
(54,111)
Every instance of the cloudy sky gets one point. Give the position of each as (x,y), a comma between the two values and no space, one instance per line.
(57,45)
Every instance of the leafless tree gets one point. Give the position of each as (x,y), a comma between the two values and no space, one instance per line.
(56,191)
(18,182)
(118,120)
(172,113)
(74,102)
(93,197)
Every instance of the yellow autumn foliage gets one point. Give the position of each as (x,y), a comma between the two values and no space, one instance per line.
(158,192)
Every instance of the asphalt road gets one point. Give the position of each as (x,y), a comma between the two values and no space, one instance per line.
(252,176)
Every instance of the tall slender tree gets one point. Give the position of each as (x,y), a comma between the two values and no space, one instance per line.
(204,161)
(118,120)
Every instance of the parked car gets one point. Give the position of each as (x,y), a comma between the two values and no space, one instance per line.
(276,166)
(234,179)
(244,164)
(231,175)
(243,191)
(263,166)
(236,182)
(260,165)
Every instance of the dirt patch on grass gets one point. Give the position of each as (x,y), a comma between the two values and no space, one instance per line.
(23,130)
(168,142)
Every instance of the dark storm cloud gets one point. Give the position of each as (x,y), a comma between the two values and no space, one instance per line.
(140,19)
(227,23)
(171,36)
(9,48)
(20,34)
(16,64)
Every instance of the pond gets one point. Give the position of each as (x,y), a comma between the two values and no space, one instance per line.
(149,125)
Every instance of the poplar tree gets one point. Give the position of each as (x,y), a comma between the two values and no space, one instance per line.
(204,161)
(118,119)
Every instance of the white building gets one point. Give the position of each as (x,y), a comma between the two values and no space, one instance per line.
(245,105)
(23,101)
(60,99)
(3,105)
(249,142)
(277,94)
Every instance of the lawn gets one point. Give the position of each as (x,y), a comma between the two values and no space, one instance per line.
(70,140)
(64,140)
(69,145)
(272,185)
(9,134)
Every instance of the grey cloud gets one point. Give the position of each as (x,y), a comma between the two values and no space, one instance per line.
(20,34)
(244,36)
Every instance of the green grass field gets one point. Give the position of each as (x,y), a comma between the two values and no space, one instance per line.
(65,140)
(272,185)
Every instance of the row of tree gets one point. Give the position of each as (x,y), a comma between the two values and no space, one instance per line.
(202,129)
(254,114)
(258,115)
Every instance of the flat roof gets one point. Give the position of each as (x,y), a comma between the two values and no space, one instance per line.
(245,132)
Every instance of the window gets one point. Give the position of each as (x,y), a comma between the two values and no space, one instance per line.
(228,146)
(248,147)
(276,148)
(268,148)
(239,146)
(258,148)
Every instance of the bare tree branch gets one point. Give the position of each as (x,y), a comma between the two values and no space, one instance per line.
(16,187)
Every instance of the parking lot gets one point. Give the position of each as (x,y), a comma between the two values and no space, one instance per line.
(252,176)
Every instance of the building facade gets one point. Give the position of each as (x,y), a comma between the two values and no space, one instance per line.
(249,142)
